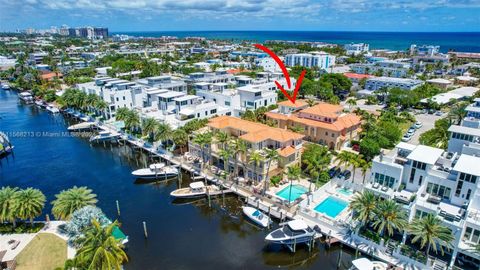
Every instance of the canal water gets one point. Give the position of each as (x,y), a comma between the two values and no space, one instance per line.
(180,235)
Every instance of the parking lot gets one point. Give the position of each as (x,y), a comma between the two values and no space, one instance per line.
(428,122)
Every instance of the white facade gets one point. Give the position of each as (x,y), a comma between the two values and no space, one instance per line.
(164,82)
(268,64)
(376,83)
(388,68)
(356,49)
(316,59)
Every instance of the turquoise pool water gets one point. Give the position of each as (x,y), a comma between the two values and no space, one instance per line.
(297,191)
(331,206)
(344,191)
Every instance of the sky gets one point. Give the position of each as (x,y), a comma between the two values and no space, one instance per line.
(197,15)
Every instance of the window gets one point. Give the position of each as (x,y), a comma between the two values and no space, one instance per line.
(123,97)
(420,180)
(384,180)
(213,111)
(472,235)
(468,177)
(227,103)
(458,190)
(469,193)
(419,165)
(117,98)
(412,176)
(257,94)
(438,190)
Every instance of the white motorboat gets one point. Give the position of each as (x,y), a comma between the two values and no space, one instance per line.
(256,216)
(104,136)
(26,97)
(81,126)
(293,232)
(52,109)
(366,264)
(156,171)
(195,190)
(39,103)
(5,87)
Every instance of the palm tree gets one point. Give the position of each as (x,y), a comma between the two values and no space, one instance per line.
(122,114)
(389,217)
(293,173)
(355,161)
(70,200)
(311,102)
(364,166)
(149,127)
(363,206)
(99,249)
(29,203)
(255,158)
(222,138)
(163,132)
(343,159)
(226,154)
(239,148)
(203,140)
(180,138)
(133,120)
(351,102)
(270,155)
(430,232)
(7,205)
(316,158)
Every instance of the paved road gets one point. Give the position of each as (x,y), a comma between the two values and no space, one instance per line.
(428,121)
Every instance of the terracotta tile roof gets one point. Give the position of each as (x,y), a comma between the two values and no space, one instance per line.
(324,109)
(342,122)
(357,76)
(255,132)
(286,151)
(51,75)
(298,103)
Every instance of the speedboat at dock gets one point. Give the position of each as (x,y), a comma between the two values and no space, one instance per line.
(156,171)
(256,216)
(293,232)
(197,189)
(81,126)
(26,97)
(366,264)
(52,109)
(104,136)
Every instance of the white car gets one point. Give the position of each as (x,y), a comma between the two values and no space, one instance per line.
(418,125)
(407,137)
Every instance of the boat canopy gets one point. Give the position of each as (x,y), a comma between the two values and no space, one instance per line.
(156,166)
(297,225)
(197,185)
(363,264)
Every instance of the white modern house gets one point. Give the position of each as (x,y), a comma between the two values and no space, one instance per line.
(356,48)
(164,82)
(322,60)
(210,77)
(268,64)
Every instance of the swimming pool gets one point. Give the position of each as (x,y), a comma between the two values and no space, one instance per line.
(331,206)
(297,191)
(344,191)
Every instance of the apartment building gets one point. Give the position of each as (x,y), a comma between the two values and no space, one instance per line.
(258,137)
(210,77)
(321,60)
(428,50)
(388,68)
(374,84)
(323,123)
(356,48)
(164,82)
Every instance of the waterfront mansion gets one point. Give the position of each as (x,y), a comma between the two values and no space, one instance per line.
(445,183)
(258,137)
(322,123)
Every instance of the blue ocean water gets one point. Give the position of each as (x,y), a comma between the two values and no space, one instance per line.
(457,41)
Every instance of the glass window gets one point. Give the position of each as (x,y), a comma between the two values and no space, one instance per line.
(475,236)
(467,234)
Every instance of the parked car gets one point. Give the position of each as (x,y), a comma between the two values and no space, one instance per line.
(418,125)
(345,174)
(439,113)
(407,137)
(411,131)
(334,171)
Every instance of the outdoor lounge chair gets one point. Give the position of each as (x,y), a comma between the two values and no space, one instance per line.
(375,185)
(15,245)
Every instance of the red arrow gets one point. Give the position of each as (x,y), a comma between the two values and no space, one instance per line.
(285,74)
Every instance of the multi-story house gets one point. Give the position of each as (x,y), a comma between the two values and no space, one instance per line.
(356,49)
(374,84)
(321,60)
(210,77)
(429,50)
(323,123)
(164,82)
(257,137)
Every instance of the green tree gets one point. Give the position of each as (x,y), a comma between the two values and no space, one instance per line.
(363,206)
(255,159)
(431,233)
(99,249)
(343,159)
(29,203)
(70,200)
(293,173)
(389,216)
(270,155)
(7,205)
(149,127)
(239,148)
(222,138)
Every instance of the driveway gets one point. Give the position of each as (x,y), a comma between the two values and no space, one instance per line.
(428,121)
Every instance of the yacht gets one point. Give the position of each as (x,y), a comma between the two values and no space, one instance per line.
(26,97)
(104,136)
(195,190)
(157,170)
(52,109)
(366,264)
(293,232)
(81,126)
(256,216)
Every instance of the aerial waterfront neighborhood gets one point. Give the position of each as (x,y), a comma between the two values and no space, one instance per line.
(374,164)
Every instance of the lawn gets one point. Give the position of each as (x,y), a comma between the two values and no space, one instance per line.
(45,252)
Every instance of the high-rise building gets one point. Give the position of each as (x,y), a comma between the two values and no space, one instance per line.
(101,32)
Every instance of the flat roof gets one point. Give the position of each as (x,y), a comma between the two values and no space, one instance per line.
(464,130)
(156,91)
(468,164)
(406,146)
(466,91)
(187,97)
(425,154)
(171,94)
(439,80)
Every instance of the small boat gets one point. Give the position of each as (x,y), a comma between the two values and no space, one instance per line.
(39,103)
(293,232)
(195,190)
(366,264)
(157,170)
(256,216)
(81,126)
(52,109)
(5,87)
(26,97)
(104,136)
